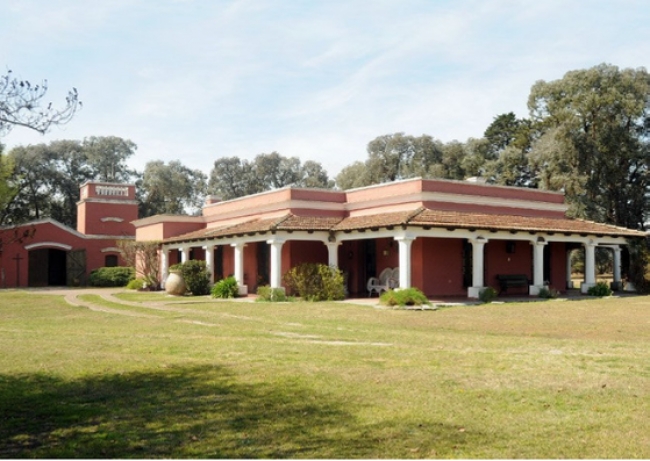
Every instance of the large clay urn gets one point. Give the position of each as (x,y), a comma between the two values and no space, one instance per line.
(175,284)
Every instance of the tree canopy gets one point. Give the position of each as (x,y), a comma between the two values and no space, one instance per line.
(45,178)
(232,177)
(171,189)
(587,135)
(594,141)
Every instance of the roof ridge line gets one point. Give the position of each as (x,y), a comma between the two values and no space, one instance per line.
(413,214)
(280,220)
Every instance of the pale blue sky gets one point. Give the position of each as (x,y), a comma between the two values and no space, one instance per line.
(197,80)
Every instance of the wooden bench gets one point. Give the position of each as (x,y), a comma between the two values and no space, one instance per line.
(512,281)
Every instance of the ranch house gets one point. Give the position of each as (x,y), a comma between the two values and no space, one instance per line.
(447,238)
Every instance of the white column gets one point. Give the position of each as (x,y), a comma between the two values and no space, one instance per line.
(590,266)
(164,266)
(617,268)
(478,245)
(404,243)
(276,261)
(239,267)
(538,267)
(333,253)
(209,261)
(185,254)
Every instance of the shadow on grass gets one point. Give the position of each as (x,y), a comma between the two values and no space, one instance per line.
(198,412)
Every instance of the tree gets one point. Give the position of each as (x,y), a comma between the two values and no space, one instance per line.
(507,130)
(451,163)
(232,177)
(107,155)
(313,175)
(21,105)
(394,157)
(7,192)
(596,128)
(353,176)
(31,181)
(144,258)
(274,171)
(172,189)
(46,177)
(508,141)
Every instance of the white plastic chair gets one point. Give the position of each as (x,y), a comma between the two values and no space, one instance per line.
(374,285)
(379,284)
(393,281)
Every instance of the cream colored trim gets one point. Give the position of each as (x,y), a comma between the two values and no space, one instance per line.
(111,250)
(163,218)
(112,219)
(104,200)
(36,246)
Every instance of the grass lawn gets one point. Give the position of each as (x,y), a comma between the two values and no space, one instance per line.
(333,380)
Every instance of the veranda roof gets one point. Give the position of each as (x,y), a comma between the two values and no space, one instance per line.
(420,217)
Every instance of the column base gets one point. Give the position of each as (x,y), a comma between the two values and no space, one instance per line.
(474,292)
(584,287)
(243,290)
(616,286)
(533,290)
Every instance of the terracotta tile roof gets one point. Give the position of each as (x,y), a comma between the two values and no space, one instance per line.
(310,223)
(419,217)
(437,218)
(423,217)
(375,221)
(287,222)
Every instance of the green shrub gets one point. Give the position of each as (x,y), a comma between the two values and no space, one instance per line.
(487,295)
(196,276)
(226,288)
(404,297)
(548,293)
(316,282)
(267,294)
(136,284)
(111,276)
(600,289)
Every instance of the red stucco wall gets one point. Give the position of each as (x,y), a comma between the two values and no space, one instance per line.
(47,235)
(437,268)
(558,266)
(90,214)
(498,261)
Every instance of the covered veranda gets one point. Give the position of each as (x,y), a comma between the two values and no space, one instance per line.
(443,253)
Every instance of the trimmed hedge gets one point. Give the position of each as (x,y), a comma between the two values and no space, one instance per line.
(111,277)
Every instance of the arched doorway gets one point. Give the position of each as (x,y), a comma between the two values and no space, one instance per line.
(47,267)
